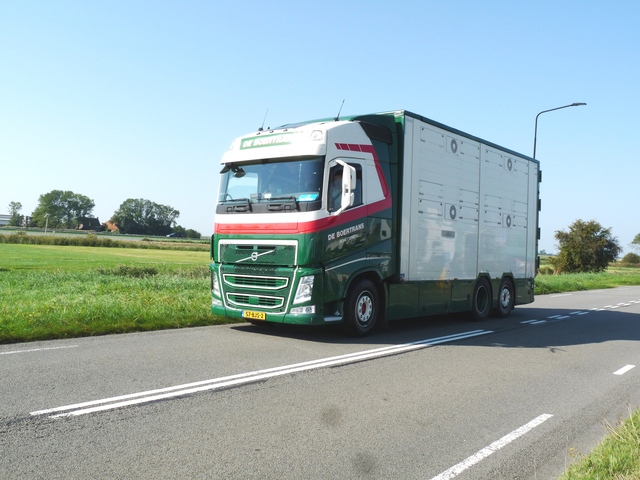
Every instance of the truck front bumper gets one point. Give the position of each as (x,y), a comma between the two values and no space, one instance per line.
(288,318)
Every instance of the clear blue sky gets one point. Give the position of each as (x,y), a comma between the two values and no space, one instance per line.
(134,99)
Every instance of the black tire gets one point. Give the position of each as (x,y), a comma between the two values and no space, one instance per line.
(506,298)
(481,301)
(362,308)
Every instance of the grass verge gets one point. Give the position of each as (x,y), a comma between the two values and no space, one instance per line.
(573,282)
(617,457)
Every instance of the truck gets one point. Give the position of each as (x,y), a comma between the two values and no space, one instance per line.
(367,219)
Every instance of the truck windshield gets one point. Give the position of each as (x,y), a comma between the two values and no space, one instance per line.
(272,179)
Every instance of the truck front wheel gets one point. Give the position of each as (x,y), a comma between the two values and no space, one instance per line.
(361,308)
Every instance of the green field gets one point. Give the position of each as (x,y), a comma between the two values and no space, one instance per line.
(82,259)
(65,291)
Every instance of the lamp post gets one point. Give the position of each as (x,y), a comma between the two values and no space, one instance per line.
(535,133)
(46,215)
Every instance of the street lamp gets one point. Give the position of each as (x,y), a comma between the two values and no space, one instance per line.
(535,133)
(46,215)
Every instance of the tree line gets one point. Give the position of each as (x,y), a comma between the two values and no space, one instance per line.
(585,247)
(66,209)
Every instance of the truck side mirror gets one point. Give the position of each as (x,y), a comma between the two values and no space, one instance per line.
(348,187)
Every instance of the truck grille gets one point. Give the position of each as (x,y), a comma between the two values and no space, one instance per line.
(251,281)
(257,287)
(262,301)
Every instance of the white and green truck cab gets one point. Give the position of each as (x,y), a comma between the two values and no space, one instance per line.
(370,219)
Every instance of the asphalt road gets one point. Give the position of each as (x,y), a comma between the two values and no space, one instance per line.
(441,398)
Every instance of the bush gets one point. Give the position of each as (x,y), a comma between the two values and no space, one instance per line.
(586,247)
(133,271)
(631,258)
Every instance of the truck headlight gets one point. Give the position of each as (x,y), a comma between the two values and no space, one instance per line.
(305,289)
(308,309)
(215,287)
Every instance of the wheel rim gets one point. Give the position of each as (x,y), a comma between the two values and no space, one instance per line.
(505,297)
(364,309)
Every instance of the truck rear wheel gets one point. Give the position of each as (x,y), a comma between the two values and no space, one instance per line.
(506,298)
(362,308)
(481,305)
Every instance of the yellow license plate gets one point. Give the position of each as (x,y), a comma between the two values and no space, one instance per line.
(254,315)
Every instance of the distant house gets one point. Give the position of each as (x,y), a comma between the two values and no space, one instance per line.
(112,227)
(89,223)
(4,220)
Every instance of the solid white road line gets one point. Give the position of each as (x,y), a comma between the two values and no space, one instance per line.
(624,370)
(495,446)
(249,377)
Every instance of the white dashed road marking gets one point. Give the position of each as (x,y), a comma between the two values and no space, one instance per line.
(581,312)
(624,370)
(495,446)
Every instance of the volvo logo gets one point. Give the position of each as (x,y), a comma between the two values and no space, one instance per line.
(255,255)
